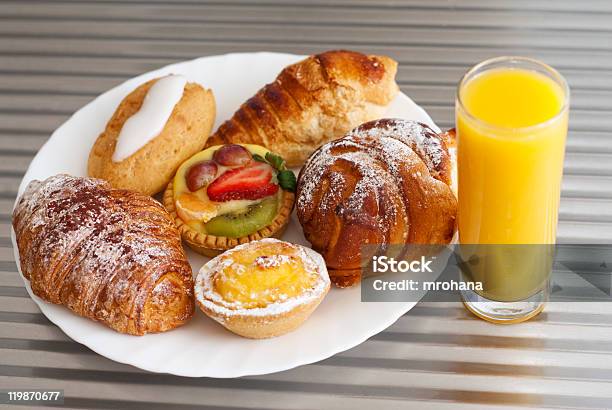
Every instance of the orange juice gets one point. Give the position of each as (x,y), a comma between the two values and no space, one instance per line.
(510,158)
(511,123)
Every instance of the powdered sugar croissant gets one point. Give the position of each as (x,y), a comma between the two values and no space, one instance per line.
(110,255)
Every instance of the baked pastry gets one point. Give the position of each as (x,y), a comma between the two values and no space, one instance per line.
(156,127)
(311,102)
(262,289)
(386,182)
(110,255)
(230,194)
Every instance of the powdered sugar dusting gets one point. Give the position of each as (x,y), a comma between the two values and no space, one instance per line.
(370,180)
(379,151)
(209,298)
(414,134)
(271,261)
(369,183)
(390,141)
(106,246)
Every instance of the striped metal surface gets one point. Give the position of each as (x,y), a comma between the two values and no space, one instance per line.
(56,56)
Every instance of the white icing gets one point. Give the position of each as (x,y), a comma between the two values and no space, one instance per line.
(151,119)
(209,298)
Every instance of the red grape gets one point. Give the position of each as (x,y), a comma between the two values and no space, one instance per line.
(200,174)
(232,155)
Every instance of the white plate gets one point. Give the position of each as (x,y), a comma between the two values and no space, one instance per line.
(202,347)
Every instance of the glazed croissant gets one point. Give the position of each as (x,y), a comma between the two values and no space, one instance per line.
(386,182)
(312,102)
(110,255)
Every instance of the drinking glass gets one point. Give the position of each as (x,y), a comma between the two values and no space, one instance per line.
(511,120)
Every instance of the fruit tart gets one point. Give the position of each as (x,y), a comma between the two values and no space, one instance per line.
(230,194)
(262,289)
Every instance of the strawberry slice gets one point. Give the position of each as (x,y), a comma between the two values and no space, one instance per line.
(250,182)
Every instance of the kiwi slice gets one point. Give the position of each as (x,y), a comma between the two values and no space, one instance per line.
(238,224)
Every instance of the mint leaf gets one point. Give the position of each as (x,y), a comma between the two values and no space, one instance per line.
(286,180)
(259,158)
(276,161)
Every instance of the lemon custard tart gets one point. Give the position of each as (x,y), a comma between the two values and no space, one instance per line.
(230,194)
(262,289)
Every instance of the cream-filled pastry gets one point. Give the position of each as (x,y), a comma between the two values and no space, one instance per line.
(262,289)
(154,129)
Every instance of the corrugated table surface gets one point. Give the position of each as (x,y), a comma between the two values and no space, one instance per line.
(56,56)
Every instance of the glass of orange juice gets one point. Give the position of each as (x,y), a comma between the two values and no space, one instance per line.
(511,120)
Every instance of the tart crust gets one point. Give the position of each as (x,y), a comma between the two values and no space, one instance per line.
(211,245)
(273,320)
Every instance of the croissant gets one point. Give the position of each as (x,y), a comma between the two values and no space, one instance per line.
(386,182)
(107,254)
(312,102)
